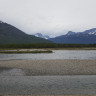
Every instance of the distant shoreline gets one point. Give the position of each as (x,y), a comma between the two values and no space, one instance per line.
(47,49)
(70,48)
(39,50)
(21,51)
(47,45)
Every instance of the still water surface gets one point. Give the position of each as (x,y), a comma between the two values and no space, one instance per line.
(57,54)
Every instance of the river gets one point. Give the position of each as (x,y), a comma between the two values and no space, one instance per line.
(57,54)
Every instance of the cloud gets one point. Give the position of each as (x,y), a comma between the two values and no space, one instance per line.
(52,17)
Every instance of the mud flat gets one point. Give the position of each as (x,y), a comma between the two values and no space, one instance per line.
(48,77)
(48,85)
(51,67)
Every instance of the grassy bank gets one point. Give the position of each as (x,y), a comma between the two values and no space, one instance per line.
(21,52)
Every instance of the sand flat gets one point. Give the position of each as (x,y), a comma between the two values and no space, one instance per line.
(53,67)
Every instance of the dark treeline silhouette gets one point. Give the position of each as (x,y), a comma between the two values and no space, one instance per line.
(47,45)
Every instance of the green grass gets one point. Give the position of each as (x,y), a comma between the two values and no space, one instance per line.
(21,52)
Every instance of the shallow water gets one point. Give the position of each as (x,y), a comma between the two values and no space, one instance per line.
(11,72)
(57,54)
(48,85)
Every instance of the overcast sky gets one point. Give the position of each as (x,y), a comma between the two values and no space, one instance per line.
(52,17)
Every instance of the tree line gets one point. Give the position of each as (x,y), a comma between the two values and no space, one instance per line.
(46,45)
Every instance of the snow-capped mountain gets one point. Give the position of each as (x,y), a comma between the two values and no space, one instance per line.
(86,32)
(90,32)
(86,37)
(70,33)
(41,36)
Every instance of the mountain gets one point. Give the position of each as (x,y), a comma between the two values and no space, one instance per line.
(41,36)
(86,37)
(90,32)
(11,35)
(70,33)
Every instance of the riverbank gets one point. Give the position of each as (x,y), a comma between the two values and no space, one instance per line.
(43,49)
(50,67)
(49,77)
(86,48)
(21,51)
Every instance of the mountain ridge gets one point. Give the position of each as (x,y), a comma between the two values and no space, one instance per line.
(85,37)
(41,36)
(12,35)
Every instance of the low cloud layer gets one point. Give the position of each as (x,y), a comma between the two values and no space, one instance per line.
(52,17)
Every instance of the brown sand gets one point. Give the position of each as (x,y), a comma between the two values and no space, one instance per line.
(52,67)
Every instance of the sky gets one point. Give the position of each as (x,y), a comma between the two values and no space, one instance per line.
(49,17)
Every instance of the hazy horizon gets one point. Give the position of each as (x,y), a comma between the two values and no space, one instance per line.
(49,17)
